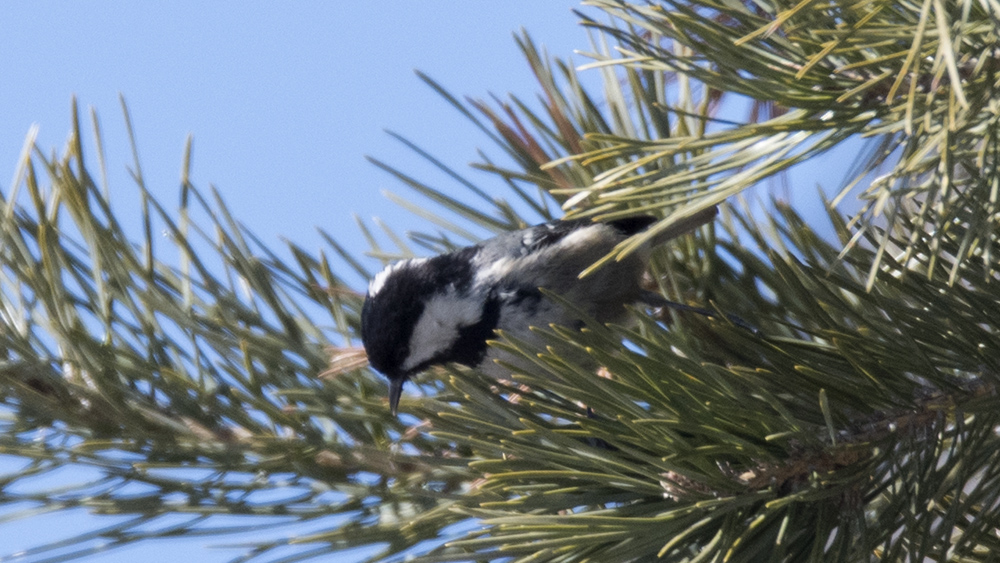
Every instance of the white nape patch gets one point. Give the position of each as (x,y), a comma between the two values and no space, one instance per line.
(438,326)
(379,280)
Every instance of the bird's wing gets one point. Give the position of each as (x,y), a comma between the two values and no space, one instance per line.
(538,241)
(547,234)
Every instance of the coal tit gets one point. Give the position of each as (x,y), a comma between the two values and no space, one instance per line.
(423,312)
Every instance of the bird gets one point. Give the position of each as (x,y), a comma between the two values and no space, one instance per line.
(423,312)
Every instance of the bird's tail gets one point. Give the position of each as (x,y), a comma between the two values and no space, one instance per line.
(658,301)
(686,225)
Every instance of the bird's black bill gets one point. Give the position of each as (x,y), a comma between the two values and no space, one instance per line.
(395,390)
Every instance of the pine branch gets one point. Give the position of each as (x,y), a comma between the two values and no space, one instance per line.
(920,78)
(859,423)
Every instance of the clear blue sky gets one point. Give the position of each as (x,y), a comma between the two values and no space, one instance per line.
(283,99)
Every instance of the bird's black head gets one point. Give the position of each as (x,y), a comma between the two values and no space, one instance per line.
(397,300)
(394,303)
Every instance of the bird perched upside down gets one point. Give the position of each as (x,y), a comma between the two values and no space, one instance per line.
(423,312)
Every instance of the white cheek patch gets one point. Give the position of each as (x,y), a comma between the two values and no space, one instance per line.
(437,329)
(380,278)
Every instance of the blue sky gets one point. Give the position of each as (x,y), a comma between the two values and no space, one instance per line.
(283,100)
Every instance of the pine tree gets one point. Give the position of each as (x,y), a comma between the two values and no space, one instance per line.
(856,424)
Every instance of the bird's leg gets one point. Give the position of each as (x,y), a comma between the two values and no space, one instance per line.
(657,300)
